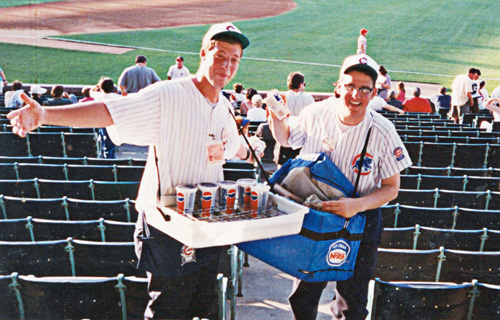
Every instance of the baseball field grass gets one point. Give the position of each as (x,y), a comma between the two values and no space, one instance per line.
(425,41)
(13,3)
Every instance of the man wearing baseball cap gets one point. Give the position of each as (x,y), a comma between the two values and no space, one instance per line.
(178,70)
(362,41)
(340,127)
(180,121)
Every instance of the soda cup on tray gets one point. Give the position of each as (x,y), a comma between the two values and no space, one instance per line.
(244,193)
(259,196)
(227,196)
(208,192)
(186,195)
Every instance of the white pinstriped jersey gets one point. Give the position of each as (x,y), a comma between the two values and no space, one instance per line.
(176,118)
(386,154)
(297,101)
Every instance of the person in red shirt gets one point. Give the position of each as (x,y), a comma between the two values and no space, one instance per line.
(417,104)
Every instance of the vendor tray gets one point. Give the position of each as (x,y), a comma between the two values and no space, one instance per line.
(282,217)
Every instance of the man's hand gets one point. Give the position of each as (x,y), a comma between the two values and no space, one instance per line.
(344,207)
(27,118)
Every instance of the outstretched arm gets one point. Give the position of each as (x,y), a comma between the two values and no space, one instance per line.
(280,129)
(92,114)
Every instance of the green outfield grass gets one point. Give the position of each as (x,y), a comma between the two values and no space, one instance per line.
(429,36)
(14,3)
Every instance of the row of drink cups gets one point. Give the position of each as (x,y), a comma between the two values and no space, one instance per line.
(251,196)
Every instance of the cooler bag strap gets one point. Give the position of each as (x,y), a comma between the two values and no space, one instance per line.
(361,159)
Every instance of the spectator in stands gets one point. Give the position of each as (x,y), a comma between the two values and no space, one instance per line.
(362,41)
(417,104)
(36,93)
(237,97)
(484,94)
(296,98)
(137,77)
(401,92)
(86,94)
(105,90)
(247,103)
(173,118)
(443,103)
(3,82)
(383,84)
(12,98)
(493,105)
(475,94)
(178,70)
(340,127)
(393,101)
(461,98)
(60,97)
(378,104)
(244,124)
(257,113)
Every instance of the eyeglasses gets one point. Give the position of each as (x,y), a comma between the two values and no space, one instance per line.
(364,91)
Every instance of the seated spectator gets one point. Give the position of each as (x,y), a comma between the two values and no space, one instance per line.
(383,83)
(484,94)
(12,98)
(86,94)
(257,113)
(393,101)
(36,93)
(247,103)
(379,104)
(60,97)
(443,103)
(237,97)
(417,104)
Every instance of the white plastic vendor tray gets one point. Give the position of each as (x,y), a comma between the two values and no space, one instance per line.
(201,234)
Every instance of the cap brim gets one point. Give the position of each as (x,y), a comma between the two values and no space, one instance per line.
(238,36)
(363,67)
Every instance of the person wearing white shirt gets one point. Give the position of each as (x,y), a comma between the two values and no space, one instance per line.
(178,70)
(257,113)
(189,127)
(378,104)
(484,96)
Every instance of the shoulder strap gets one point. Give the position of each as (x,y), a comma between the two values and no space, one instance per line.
(361,160)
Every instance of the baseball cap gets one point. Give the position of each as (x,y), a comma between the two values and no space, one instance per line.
(228,29)
(360,62)
(363,30)
(36,89)
(179,58)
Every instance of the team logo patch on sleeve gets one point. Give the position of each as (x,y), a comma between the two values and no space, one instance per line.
(399,154)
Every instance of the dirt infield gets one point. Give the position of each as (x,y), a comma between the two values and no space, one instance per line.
(29,24)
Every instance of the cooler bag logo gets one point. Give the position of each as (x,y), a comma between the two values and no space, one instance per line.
(338,253)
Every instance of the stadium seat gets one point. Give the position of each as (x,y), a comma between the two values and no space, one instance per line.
(29,297)
(462,266)
(67,209)
(468,219)
(420,300)
(69,257)
(401,216)
(407,265)
(471,155)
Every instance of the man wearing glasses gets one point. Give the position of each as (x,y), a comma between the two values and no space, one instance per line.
(339,127)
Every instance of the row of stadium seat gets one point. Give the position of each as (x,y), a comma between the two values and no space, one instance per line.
(10,171)
(454,218)
(460,183)
(62,144)
(453,171)
(454,154)
(450,139)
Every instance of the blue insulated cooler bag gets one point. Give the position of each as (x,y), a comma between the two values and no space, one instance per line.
(327,245)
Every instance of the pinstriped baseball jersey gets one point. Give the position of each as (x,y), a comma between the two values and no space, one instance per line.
(176,118)
(317,129)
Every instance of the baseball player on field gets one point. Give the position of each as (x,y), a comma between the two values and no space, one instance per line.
(339,127)
(183,122)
